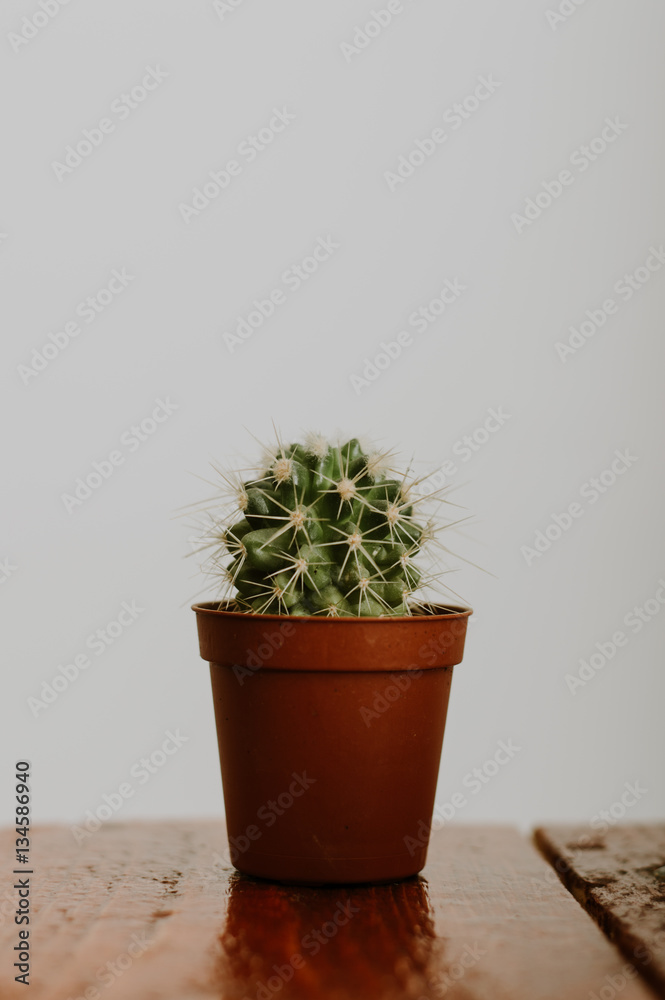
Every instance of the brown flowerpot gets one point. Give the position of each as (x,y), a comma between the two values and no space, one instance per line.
(330,733)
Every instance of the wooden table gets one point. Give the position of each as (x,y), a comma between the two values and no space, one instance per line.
(150,910)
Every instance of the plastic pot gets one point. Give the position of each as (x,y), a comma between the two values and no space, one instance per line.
(330,733)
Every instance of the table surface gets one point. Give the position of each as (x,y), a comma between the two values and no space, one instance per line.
(151,910)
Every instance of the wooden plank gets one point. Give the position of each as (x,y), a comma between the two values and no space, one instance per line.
(489,921)
(615,876)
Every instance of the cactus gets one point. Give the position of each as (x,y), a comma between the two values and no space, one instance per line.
(324,530)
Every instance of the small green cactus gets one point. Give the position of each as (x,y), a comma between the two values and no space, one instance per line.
(323,530)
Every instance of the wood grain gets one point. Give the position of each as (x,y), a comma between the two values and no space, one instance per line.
(614,875)
(488,921)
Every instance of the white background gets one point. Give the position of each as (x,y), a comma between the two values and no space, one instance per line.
(454,218)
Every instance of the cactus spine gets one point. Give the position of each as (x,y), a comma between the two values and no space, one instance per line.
(323,530)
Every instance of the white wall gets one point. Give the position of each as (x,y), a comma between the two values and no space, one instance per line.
(454,218)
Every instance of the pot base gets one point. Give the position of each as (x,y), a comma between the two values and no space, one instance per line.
(341,871)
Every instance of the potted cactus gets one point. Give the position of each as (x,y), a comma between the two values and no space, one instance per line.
(330,664)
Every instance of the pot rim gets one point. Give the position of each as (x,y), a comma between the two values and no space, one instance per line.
(448,611)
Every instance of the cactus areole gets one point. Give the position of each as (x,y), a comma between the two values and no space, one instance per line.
(330,664)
